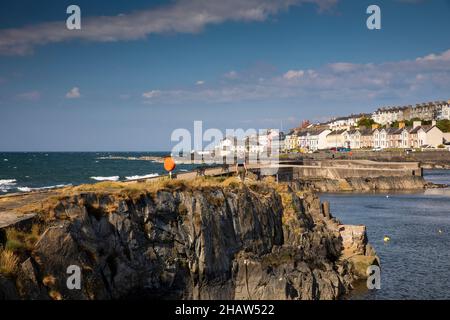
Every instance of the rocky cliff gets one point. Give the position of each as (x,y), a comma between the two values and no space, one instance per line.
(186,241)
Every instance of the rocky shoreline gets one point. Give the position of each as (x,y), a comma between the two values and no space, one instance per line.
(373,184)
(187,240)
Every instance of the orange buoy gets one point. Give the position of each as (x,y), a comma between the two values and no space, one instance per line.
(169,164)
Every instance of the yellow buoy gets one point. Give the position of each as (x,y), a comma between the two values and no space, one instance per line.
(386,239)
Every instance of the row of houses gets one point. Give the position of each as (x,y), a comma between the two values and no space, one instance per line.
(403,137)
(438,110)
(345,123)
(271,140)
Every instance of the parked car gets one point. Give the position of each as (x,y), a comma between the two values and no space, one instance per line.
(377,149)
(426,147)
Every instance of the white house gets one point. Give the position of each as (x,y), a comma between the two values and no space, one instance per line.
(344,123)
(430,135)
(316,139)
(336,139)
(353,139)
(388,115)
(445,111)
(380,138)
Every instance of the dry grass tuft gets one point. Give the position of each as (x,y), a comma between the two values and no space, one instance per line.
(49,281)
(9,262)
(20,241)
(55,295)
(232,182)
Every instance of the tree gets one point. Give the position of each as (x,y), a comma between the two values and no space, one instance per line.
(366,122)
(444,125)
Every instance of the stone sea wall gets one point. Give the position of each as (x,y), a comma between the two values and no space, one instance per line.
(364,184)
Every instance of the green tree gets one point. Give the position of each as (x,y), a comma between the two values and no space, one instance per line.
(444,125)
(366,122)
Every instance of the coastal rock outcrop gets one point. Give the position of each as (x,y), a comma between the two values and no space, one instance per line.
(217,242)
(364,184)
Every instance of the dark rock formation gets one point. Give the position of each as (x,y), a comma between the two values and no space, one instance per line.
(215,243)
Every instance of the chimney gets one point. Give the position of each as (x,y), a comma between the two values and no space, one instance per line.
(417,124)
(401,124)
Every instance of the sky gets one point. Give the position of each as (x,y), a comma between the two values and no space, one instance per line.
(137,70)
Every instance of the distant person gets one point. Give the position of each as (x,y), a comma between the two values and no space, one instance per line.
(241,166)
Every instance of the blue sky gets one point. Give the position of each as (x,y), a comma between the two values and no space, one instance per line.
(138,70)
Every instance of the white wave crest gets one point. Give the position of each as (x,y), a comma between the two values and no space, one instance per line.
(7,184)
(28,189)
(147,176)
(113,178)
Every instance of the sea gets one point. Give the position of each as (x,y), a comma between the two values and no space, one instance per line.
(415,263)
(28,171)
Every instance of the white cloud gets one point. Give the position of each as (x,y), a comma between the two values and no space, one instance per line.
(231,75)
(74,93)
(151,94)
(200,82)
(182,16)
(293,74)
(343,67)
(333,82)
(30,96)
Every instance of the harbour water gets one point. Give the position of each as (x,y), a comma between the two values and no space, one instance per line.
(415,263)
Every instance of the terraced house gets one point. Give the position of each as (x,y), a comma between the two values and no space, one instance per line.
(336,139)
(353,139)
(291,142)
(366,138)
(438,110)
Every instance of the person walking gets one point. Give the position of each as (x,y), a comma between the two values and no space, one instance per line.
(241,166)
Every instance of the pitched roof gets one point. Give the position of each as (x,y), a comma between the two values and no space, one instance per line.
(337,133)
(366,132)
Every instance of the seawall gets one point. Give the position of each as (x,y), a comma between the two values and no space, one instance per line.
(354,175)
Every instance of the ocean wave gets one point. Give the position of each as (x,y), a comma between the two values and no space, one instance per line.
(7,184)
(7,181)
(28,189)
(113,178)
(147,176)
